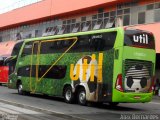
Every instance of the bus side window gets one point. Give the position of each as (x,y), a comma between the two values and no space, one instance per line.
(17,48)
(95,42)
(109,39)
(103,41)
(82,45)
(11,65)
(59,46)
(97,45)
(49,47)
(56,72)
(68,43)
(27,50)
(35,50)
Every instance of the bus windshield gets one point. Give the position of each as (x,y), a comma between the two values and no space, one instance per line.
(139,38)
(17,48)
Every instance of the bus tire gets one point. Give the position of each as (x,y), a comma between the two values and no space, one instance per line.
(113,104)
(68,95)
(82,96)
(19,88)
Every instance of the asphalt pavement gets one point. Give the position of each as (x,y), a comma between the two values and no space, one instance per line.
(55,108)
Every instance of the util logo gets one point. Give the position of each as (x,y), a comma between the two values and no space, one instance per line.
(141,38)
(84,68)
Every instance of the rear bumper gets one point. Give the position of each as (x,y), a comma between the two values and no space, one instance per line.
(132,97)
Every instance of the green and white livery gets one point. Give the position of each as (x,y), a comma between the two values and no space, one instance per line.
(109,65)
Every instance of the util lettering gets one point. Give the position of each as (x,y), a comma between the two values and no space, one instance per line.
(85,66)
(141,38)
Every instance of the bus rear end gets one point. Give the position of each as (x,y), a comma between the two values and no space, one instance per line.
(3,72)
(135,81)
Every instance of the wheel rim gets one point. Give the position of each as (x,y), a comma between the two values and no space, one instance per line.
(20,88)
(82,97)
(68,95)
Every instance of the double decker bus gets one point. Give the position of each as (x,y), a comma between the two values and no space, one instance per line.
(114,65)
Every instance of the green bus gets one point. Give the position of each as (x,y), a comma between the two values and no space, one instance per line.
(115,65)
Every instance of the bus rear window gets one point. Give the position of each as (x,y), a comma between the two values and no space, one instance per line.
(139,38)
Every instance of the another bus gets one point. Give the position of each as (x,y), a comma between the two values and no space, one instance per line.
(5,51)
(114,65)
(3,71)
(11,60)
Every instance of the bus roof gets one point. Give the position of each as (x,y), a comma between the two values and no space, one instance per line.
(74,34)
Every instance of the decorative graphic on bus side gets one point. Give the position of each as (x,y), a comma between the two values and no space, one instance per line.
(87,65)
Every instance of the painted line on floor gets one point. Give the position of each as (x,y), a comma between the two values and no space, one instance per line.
(55,113)
(154,103)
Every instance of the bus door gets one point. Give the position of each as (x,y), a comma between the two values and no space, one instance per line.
(34,67)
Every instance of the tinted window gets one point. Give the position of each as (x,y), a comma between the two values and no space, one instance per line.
(1,62)
(17,48)
(27,50)
(85,43)
(56,72)
(96,42)
(81,45)
(138,38)
(11,64)
(35,48)
(59,46)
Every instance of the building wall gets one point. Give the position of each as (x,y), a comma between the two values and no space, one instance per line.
(47,8)
(37,19)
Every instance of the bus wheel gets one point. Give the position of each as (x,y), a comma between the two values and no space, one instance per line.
(82,96)
(68,95)
(20,87)
(113,103)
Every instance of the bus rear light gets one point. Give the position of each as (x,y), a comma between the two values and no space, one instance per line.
(152,84)
(119,83)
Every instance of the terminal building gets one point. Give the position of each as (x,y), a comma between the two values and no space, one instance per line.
(52,17)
